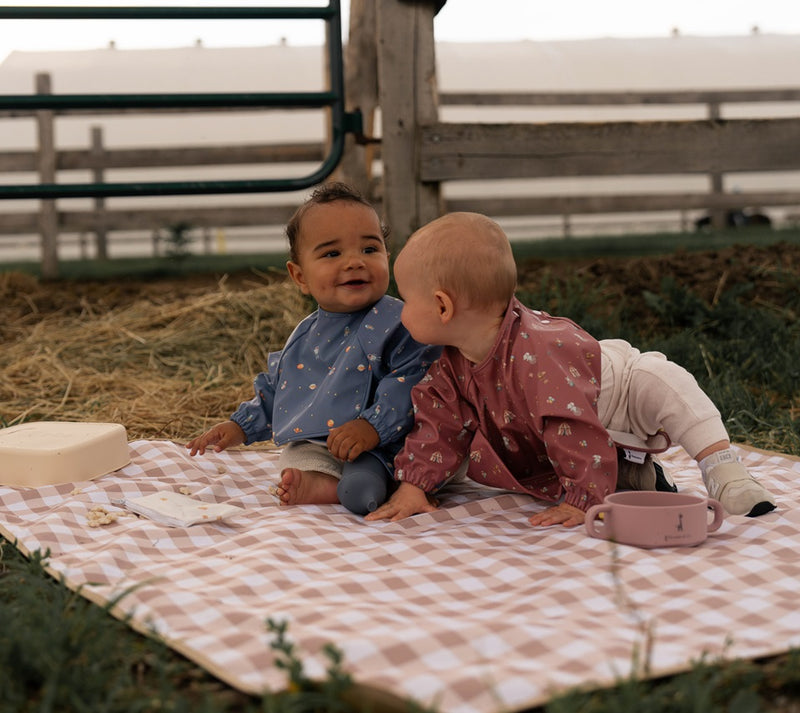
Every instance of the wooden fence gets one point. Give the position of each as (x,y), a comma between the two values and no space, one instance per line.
(419,152)
(713,147)
(453,152)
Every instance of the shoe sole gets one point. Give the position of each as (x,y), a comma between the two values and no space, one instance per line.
(761,509)
(663,483)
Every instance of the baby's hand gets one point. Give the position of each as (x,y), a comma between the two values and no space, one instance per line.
(222,436)
(351,439)
(407,500)
(562,514)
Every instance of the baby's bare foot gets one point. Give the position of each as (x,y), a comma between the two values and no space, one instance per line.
(307,487)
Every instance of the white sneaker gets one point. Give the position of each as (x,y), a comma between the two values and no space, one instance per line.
(728,481)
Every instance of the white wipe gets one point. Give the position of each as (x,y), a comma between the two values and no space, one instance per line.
(177,510)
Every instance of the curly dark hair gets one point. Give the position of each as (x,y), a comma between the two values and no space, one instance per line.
(326,193)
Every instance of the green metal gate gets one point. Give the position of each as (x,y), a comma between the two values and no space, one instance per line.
(341,121)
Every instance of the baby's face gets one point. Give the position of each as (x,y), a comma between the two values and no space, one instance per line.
(342,260)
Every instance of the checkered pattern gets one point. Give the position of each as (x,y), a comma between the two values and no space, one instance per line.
(469,608)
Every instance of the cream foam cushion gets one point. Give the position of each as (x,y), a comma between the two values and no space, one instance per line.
(52,452)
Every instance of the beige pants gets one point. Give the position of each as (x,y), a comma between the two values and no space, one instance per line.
(642,392)
(309,455)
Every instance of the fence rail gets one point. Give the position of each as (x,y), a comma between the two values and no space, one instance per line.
(451,152)
(710,98)
(87,159)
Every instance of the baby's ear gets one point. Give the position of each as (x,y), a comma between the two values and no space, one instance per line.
(296,273)
(445,305)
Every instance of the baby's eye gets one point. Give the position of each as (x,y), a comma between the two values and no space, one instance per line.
(331,253)
(371,249)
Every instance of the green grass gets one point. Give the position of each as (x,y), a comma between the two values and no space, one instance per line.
(732,687)
(654,244)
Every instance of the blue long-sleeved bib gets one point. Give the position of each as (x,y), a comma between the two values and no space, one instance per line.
(336,367)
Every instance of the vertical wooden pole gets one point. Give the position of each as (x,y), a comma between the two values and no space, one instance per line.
(408,98)
(717,215)
(98,176)
(566,226)
(361,92)
(48,215)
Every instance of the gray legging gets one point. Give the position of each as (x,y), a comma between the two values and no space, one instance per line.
(364,484)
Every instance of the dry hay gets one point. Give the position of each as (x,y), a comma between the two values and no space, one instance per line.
(163,365)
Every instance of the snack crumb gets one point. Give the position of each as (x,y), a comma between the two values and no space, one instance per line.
(99,516)
(185,490)
(221,469)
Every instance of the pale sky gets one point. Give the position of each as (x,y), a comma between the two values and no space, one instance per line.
(458,21)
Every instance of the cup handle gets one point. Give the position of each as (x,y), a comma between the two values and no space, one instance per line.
(719,514)
(590,523)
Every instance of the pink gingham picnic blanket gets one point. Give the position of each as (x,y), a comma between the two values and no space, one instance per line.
(468,609)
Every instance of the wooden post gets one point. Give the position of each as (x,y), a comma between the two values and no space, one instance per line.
(717,215)
(408,98)
(361,92)
(566,226)
(48,215)
(97,154)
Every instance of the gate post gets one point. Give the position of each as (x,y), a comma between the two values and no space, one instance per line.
(408,98)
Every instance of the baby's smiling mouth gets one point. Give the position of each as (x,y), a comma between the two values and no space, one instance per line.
(354,283)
